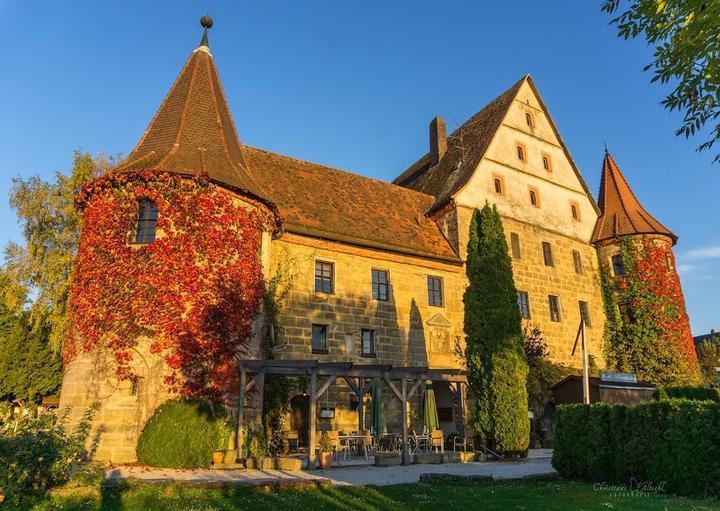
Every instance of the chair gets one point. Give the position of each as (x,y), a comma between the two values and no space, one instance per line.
(292,437)
(337,446)
(437,440)
(366,441)
(464,442)
(419,442)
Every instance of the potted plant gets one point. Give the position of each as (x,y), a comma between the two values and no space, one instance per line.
(325,451)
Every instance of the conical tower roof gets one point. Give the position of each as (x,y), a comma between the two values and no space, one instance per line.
(193,131)
(621,214)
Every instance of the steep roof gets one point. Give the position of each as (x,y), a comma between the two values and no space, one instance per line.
(193,131)
(467,146)
(333,204)
(621,213)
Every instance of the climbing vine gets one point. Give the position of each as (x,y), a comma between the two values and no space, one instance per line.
(651,335)
(194,291)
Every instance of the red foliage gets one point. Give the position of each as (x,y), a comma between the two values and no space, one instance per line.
(194,291)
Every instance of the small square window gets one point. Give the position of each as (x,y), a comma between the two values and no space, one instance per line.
(319,339)
(585,313)
(534,196)
(367,343)
(547,162)
(547,254)
(524,304)
(618,266)
(147,220)
(521,152)
(380,285)
(529,120)
(554,304)
(515,245)
(577,261)
(575,210)
(324,277)
(435,291)
(498,184)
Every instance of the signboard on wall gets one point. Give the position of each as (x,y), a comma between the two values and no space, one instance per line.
(618,377)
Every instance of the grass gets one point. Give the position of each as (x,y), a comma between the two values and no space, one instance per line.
(448,495)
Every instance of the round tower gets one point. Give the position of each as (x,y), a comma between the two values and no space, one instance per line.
(169,275)
(647,329)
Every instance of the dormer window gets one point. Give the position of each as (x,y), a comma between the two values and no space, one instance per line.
(146,221)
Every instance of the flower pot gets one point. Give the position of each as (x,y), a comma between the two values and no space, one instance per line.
(218,457)
(325,460)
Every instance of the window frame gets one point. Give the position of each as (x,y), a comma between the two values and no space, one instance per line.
(495,179)
(546,158)
(433,293)
(584,309)
(145,225)
(577,262)
(515,248)
(372,352)
(323,278)
(548,254)
(533,190)
(379,285)
(555,300)
(575,206)
(614,259)
(319,351)
(521,152)
(529,119)
(524,305)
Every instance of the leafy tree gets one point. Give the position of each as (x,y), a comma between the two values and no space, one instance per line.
(709,358)
(51,228)
(497,369)
(686,35)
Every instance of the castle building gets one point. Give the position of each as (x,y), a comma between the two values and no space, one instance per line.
(370,271)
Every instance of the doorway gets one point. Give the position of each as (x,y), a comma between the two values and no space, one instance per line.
(300,408)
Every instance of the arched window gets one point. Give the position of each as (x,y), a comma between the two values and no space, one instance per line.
(146,221)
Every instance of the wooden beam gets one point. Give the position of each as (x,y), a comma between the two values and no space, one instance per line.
(361,404)
(461,405)
(313,420)
(325,386)
(405,452)
(415,386)
(251,383)
(393,388)
(356,389)
(241,413)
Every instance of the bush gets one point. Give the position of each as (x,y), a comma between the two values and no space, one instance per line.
(183,433)
(32,461)
(673,442)
(692,393)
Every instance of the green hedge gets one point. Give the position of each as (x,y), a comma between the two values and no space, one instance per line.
(693,393)
(183,433)
(672,442)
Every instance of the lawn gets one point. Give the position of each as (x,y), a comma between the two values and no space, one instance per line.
(448,495)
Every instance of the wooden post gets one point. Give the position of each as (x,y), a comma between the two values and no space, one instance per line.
(461,406)
(586,369)
(361,404)
(241,414)
(405,452)
(313,420)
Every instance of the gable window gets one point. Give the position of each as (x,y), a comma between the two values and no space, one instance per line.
(529,120)
(534,196)
(618,266)
(546,162)
(435,291)
(319,339)
(498,184)
(146,221)
(584,313)
(575,210)
(324,277)
(524,303)
(515,245)
(577,261)
(547,254)
(554,304)
(367,343)
(521,152)
(380,285)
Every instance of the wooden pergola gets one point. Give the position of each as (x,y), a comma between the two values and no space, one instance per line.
(323,374)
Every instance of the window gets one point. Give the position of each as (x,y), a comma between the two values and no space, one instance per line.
(547,254)
(498,184)
(584,313)
(534,196)
(575,210)
(617,264)
(524,304)
(367,343)
(435,291)
(146,221)
(577,261)
(554,304)
(668,261)
(529,119)
(547,162)
(515,245)
(324,276)
(380,285)
(521,152)
(319,339)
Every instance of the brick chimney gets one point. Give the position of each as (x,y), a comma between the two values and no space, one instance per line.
(438,140)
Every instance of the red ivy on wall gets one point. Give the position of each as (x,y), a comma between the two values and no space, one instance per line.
(194,291)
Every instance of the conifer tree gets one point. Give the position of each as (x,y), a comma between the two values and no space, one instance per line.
(496,363)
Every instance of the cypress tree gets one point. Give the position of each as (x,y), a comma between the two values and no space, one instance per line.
(497,369)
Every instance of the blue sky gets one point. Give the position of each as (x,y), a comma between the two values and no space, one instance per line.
(354,85)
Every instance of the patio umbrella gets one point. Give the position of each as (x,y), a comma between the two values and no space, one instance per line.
(379,427)
(430,416)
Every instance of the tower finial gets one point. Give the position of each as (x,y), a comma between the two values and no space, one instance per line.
(207,22)
(606,149)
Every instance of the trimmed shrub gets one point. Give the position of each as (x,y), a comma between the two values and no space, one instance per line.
(693,393)
(672,443)
(183,433)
